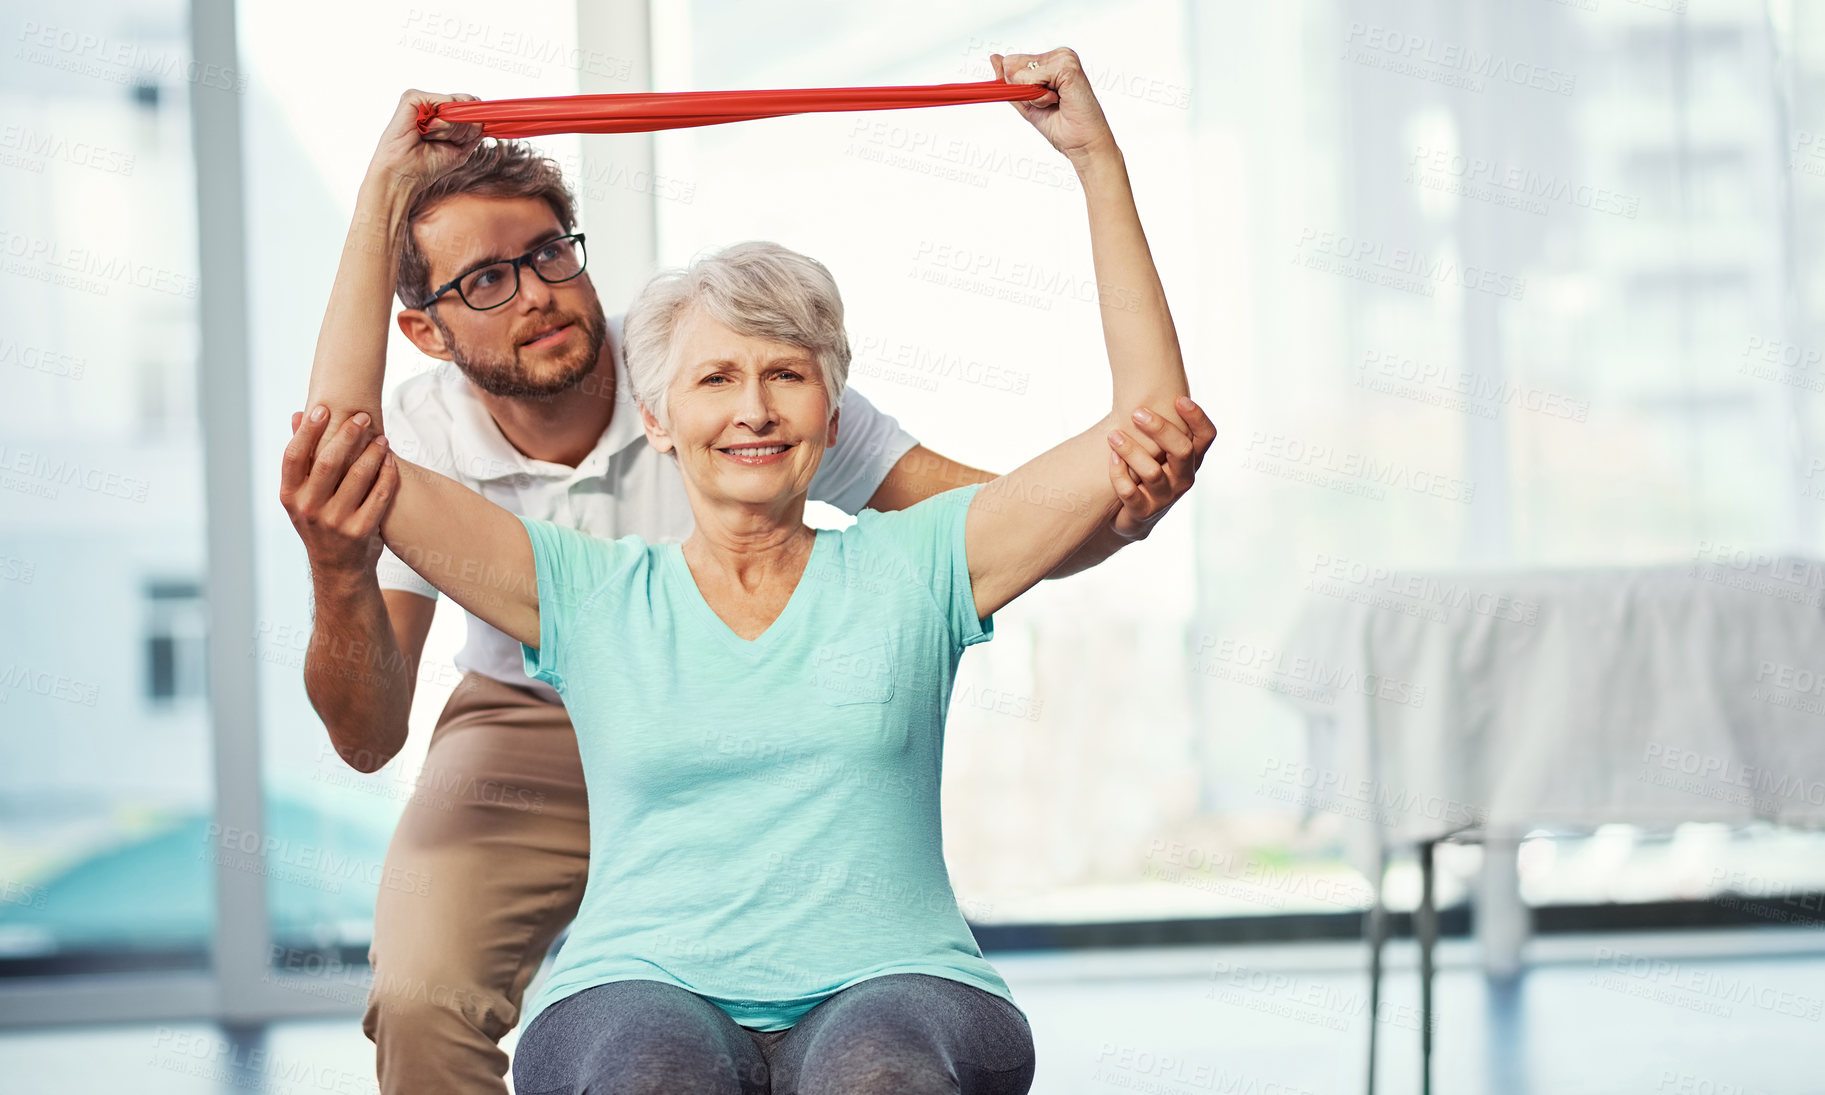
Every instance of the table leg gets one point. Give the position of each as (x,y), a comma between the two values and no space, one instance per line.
(1425,927)
(1378,938)
(1501,916)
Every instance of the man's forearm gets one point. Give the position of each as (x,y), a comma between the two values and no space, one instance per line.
(350,361)
(355,674)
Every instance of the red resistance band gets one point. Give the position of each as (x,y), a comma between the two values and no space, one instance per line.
(644,112)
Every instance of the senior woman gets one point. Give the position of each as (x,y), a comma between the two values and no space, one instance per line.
(761,708)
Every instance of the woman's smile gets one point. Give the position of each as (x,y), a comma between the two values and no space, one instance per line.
(756,455)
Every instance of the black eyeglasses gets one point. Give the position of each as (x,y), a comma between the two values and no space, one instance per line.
(496,283)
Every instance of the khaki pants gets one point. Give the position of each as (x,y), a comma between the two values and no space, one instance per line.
(499,829)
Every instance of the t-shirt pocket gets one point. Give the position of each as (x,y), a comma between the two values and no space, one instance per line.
(858,670)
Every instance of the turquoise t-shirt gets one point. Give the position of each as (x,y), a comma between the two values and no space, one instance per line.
(763,815)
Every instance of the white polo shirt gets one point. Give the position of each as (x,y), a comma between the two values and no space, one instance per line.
(623,486)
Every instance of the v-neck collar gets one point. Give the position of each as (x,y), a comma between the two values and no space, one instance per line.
(681,570)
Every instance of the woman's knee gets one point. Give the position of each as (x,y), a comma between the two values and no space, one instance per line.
(890,1060)
(636,1038)
(916,1034)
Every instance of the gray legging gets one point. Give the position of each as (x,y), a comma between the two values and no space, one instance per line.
(905,1033)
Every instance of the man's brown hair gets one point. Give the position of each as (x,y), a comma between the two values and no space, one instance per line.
(495,169)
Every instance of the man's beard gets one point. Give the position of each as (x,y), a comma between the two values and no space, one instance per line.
(508,378)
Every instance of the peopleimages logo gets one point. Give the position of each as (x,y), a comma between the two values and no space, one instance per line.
(117,61)
(44,475)
(87,269)
(1245,662)
(39,682)
(1324,465)
(1395,374)
(1527,187)
(1727,779)
(1398,267)
(1470,65)
(40,360)
(23,146)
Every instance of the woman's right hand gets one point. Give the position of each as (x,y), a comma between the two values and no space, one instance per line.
(416,158)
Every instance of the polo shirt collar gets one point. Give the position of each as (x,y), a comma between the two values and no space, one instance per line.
(474,430)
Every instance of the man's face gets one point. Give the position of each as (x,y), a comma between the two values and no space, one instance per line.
(500,349)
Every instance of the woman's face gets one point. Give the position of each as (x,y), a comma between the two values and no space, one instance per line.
(750,416)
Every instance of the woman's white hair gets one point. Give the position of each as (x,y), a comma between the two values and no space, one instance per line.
(755,288)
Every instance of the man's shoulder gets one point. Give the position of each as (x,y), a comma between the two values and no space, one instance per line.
(419,417)
(914,530)
(423,399)
(945,504)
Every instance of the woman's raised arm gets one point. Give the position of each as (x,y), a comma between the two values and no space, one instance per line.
(1022,524)
(465,545)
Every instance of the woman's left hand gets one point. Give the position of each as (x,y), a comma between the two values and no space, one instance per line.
(1154,466)
(1070,117)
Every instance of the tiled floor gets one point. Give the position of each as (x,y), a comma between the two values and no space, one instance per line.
(1675,1014)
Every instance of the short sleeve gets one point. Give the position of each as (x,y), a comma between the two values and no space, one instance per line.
(868,444)
(930,534)
(395,574)
(574,569)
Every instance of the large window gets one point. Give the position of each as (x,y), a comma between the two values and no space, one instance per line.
(105,788)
